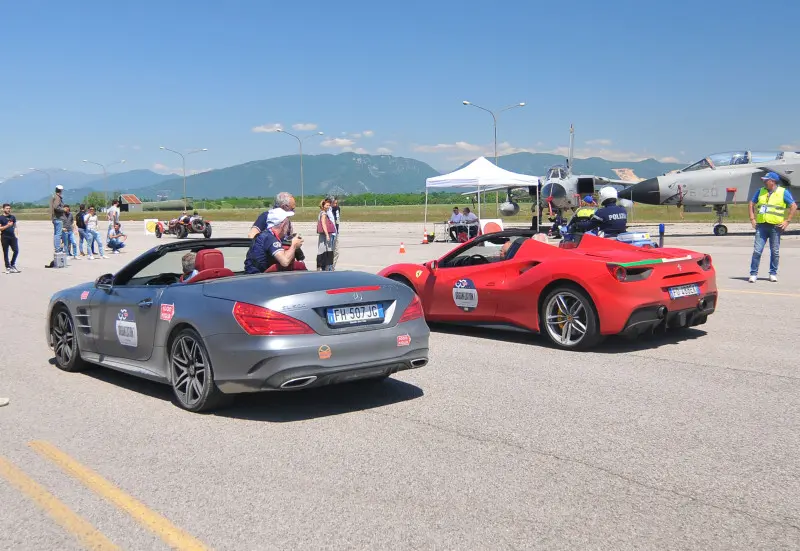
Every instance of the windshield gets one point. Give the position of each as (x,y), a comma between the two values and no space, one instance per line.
(556,173)
(699,165)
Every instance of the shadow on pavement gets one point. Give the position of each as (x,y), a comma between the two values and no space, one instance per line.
(279,407)
(611,345)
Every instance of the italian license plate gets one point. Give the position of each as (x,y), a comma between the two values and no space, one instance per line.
(349,315)
(683,291)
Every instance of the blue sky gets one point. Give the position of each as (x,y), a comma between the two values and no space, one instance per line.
(112,80)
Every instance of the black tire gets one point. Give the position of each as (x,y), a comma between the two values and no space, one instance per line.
(720,229)
(65,341)
(402,279)
(192,384)
(158,232)
(207,231)
(585,315)
(198,226)
(181,232)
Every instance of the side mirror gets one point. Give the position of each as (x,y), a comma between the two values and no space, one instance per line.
(433,265)
(104,282)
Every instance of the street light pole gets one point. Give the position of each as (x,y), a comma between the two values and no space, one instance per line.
(183,159)
(494,120)
(300,142)
(105,174)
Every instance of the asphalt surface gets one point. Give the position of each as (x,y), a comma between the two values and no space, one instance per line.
(501,442)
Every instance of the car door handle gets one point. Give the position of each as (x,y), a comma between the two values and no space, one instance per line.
(146,303)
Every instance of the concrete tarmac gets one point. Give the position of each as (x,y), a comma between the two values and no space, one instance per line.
(687,441)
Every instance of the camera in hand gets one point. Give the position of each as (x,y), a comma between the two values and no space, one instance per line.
(287,242)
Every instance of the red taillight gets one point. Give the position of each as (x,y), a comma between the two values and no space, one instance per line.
(413,311)
(257,320)
(619,272)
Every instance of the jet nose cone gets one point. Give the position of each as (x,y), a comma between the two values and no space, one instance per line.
(646,191)
(555,193)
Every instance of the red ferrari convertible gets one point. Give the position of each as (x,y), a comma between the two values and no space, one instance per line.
(575,293)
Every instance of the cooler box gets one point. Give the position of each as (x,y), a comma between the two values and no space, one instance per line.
(60,260)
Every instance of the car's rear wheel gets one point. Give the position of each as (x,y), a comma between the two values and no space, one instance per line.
(207,231)
(158,232)
(191,373)
(569,318)
(181,232)
(65,341)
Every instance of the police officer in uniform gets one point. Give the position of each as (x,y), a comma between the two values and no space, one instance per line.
(582,215)
(769,219)
(610,218)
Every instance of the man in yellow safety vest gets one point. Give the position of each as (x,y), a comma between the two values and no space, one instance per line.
(769,218)
(582,215)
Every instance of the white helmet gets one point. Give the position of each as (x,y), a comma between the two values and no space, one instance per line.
(607,193)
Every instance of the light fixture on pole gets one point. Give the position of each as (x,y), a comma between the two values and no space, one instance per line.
(183,158)
(300,141)
(494,119)
(105,174)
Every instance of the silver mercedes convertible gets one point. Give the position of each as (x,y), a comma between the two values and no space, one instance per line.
(225,332)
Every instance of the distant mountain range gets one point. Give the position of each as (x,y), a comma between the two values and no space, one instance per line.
(349,173)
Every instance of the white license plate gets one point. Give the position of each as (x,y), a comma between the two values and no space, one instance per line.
(361,313)
(684,291)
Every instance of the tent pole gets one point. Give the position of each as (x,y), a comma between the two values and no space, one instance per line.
(426,210)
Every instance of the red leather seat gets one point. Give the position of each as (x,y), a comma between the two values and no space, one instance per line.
(298,265)
(210,264)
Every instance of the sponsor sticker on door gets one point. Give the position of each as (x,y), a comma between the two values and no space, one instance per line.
(84,295)
(167,311)
(465,295)
(127,333)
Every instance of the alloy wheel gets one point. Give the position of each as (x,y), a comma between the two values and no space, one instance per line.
(190,370)
(63,338)
(567,318)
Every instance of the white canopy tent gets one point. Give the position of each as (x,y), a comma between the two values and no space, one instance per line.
(479,174)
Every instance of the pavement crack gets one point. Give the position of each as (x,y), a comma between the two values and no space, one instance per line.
(701,364)
(788,521)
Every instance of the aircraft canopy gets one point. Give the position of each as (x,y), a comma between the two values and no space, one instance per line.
(731,158)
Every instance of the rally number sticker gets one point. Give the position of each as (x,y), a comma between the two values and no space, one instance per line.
(465,295)
(127,333)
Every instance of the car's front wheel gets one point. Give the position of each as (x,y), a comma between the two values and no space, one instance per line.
(192,375)
(569,318)
(65,341)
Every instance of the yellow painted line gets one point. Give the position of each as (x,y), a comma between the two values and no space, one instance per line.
(87,534)
(796,295)
(156,523)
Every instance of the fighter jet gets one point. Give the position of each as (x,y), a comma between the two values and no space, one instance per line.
(717,181)
(560,188)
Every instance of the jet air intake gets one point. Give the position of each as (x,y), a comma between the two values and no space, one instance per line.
(647,192)
(555,194)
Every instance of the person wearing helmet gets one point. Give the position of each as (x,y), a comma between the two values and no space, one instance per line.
(610,218)
(582,215)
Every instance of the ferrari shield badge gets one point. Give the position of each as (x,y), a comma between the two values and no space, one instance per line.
(419,273)
(465,295)
(127,334)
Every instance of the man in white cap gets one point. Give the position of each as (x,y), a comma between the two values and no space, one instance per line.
(267,249)
(57,217)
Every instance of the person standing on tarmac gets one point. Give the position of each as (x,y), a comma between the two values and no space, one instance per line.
(582,215)
(769,221)
(610,218)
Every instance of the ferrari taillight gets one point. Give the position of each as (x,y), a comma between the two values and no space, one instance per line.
(413,311)
(257,320)
(619,272)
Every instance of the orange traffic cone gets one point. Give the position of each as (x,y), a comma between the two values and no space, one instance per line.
(425,238)
(402,249)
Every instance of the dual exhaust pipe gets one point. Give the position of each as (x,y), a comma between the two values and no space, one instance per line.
(662,310)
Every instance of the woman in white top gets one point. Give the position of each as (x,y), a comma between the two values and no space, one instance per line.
(91,233)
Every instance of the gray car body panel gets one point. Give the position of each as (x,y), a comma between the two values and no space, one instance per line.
(242,362)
